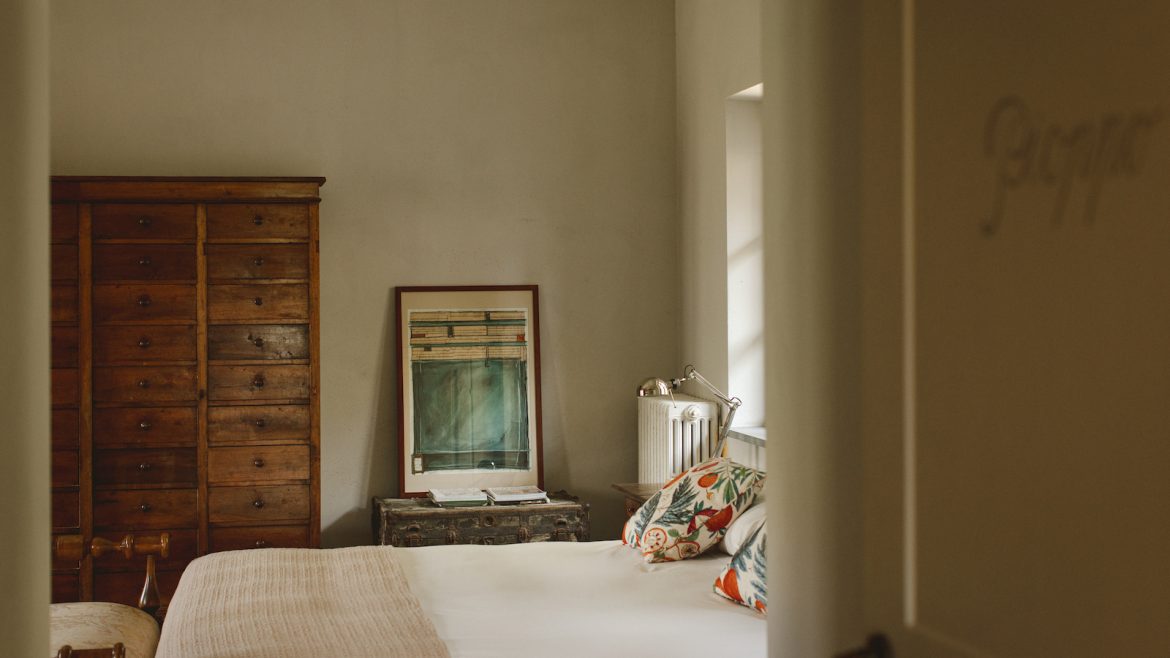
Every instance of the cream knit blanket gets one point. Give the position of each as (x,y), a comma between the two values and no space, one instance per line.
(294,603)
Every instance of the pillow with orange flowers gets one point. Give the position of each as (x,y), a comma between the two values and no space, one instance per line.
(691,513)
(745,579)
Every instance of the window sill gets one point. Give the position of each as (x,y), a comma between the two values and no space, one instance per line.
(752,435)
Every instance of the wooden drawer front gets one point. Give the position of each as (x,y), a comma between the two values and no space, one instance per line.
(65,470)
(147,509)
(257,424)
(257,464)
(258,504)
(156,466)
(275,536)
(65,392)
(145,426)
(143,262)
(66,509)
(66,587)
(120,343)
(65,427)
(258,341)
(63,263)
(139,303)
(252,221)
(258,303)
(258,382)
(64,223)
(257,261)
(125,586)
(143,221)
(63,304)
(64,347)
(145,384)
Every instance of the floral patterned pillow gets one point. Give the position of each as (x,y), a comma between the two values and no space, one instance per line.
(745,579)
(691,513)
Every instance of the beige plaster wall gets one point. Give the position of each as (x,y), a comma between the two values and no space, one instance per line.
(464,142)
(718,54)
(24,339)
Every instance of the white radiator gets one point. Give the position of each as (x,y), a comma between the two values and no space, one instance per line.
(674,435)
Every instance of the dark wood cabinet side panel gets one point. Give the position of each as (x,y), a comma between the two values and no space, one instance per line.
(63,224)
(65,425)
(65,343)
(63,303)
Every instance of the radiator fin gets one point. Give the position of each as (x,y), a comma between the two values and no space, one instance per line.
(673,435)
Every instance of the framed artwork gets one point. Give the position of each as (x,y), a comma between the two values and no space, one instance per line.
(468,387)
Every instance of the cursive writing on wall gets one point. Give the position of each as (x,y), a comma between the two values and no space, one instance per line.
(1028,151)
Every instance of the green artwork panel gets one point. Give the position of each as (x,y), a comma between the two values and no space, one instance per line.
(471,414)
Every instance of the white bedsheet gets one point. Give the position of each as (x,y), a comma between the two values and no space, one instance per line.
(577,599)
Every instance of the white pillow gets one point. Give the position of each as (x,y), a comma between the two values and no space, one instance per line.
(742,527)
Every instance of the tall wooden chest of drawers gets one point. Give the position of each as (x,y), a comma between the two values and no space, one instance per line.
(185,341)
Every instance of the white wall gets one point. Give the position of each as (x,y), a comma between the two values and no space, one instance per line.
(718,54)
(812,236)
(464,142)
(24,339)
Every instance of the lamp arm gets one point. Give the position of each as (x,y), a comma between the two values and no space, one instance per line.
(690,373)
(732,405)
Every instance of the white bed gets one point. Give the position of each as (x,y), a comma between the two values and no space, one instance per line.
(539,600)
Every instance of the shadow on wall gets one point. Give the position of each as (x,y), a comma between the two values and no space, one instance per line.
(381,475)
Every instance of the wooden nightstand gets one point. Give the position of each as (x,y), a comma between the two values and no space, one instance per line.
(637,493)
(419,522)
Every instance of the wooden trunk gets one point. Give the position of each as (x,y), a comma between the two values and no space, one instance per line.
(419,522)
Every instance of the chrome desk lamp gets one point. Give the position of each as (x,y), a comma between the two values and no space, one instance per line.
(656,387)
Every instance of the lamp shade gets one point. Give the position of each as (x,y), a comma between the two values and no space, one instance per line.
(653,387)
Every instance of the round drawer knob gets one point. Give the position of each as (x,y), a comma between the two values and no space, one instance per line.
(144,507)
(257,220)
(259,422)
(144,261)
(258,381)
(144,221)
(260,543)
(258,341)
(144,466)
(259,301)
(143,383)
(144,300)
(258,463)
(258,261)
(489,520)
(144,342)
(144,425)
(258,503)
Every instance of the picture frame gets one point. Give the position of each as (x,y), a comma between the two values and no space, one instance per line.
(469,406)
